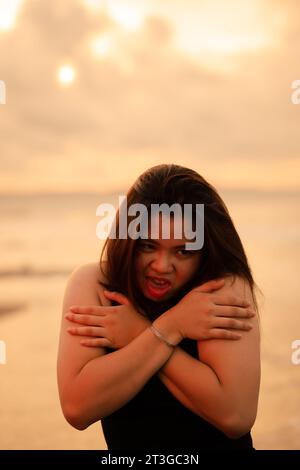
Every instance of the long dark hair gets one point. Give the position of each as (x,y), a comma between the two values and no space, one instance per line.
(221,255)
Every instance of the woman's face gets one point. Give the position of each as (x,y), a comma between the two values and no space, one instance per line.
(164,266)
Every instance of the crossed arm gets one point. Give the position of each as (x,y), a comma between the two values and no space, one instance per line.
(93,385)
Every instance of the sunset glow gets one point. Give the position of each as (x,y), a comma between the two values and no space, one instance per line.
(128,17)
(8,13)
(149,81)
(102,45)
(212,34)
(93,4)
(217,34)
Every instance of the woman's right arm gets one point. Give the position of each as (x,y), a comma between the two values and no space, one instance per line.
(93,384)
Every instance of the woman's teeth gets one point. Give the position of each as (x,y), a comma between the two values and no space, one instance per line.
(159,283)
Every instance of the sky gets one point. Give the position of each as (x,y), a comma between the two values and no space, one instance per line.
(99,91)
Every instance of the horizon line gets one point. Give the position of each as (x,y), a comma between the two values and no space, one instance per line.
(123,191)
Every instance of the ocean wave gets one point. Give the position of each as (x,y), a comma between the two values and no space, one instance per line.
(9,308)
(30,271)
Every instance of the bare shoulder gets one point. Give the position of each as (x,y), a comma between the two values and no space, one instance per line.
(90,271)
(90,276)
(238,286)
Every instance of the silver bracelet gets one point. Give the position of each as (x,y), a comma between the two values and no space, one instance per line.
(160,336)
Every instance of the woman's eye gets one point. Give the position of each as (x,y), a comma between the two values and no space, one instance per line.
(146,246)
(187,252)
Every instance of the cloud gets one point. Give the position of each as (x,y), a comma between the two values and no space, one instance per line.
(146,99)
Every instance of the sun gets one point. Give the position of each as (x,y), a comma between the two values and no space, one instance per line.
(66,74)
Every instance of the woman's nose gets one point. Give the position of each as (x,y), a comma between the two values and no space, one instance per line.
(162,263)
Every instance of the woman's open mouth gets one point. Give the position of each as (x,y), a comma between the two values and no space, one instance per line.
(157,288)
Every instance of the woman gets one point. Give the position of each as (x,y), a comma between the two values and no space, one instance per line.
(169,347)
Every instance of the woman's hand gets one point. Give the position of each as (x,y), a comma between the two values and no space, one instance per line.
(112,327)
(204,314)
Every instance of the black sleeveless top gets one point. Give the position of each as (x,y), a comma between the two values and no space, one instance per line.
(155,420)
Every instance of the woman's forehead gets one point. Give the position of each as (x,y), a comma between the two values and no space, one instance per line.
(166,229)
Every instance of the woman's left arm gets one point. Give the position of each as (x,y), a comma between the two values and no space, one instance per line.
(223,385)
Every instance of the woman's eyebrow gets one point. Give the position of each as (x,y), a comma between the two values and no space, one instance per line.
(150,240)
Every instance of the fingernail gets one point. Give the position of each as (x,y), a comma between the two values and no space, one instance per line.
(73,309)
